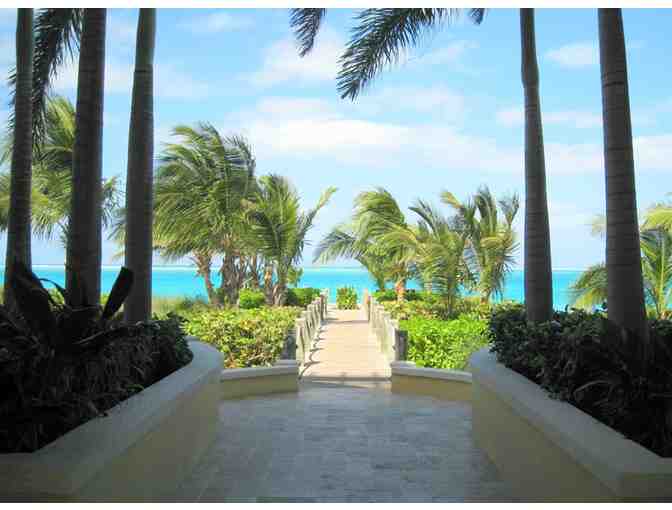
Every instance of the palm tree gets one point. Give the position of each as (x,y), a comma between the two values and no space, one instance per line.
(85,228)
(18,230)
(491,240)
(52,176)
(201,194)
(279,228)
(378,40)
(342,242)
(626,305)
(139,177)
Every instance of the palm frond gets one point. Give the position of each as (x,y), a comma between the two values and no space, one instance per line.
(590,290)
(306,24)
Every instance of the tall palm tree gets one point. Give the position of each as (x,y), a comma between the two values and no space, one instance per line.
(626,306)
(84,251)
(378,40)
(280,229)
(201,194)
(491,239)
(139,177)
(537,258)
(18,231)
(51,185)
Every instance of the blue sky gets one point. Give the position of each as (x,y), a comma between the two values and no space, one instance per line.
(448,117)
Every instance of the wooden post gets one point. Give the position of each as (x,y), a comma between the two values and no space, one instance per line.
(401,345)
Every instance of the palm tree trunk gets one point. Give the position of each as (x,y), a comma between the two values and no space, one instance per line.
(268,283)
(625,291)
(400,289)
(203,263)
(538,274)
(85,227)
(18,228)
(139,176)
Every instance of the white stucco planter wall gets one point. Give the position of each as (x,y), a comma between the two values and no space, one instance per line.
(140,451)
(549,450)
(409,378)
(243,382)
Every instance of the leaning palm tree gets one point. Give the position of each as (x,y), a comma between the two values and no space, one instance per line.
(378,40)
(342,242)
(626,304)
(201,194)
(18,230)
(139,177)
(280,229)
(84,253)
(491,239)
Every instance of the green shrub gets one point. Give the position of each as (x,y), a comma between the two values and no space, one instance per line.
(583,358)
(390,295)
(346,298)
(301,297)
(445,344)
(246,338)
(63,364)
(251,299)
(182,306)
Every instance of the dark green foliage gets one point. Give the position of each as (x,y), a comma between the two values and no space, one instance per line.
(301,297)
(346,298)
(588,361)
(246,338)
(434,306)
(251,299)
(62,363)
(445,344)
(391,295)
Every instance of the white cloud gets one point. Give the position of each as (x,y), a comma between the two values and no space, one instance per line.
(515,116)
(576,55)
(512,116)
(169,81)
(216,22)
(121,30)
(281,62)
(451,54)
(425,100)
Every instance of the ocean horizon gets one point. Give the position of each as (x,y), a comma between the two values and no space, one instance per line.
(178,280)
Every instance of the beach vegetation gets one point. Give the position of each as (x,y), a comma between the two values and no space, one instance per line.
(346,298)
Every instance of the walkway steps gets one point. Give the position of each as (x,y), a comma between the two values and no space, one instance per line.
(346,352)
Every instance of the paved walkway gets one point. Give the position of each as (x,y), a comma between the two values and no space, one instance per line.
(346,352)
(341,443)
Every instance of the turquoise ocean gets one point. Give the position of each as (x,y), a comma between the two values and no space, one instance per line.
(183,281)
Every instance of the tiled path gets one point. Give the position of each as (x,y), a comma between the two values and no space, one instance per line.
(346,352)
(342,443)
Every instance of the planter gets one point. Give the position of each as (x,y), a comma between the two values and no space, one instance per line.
(140,451)
(408,378)
(243,382)
(548,450)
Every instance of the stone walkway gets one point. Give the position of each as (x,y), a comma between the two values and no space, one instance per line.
(346,352)
(342,443)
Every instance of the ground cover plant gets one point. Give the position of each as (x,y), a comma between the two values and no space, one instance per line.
(245,337)
(63,363)
(346,298)
(614,375)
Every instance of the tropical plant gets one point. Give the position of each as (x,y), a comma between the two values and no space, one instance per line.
(490,238)
(346,298)
(301,297)
(445,344)
(52,177)
(246,338)
(278,229)
(84,252)
(139,177)
(18,215)
(64,362)
(625,288)
(202,195)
